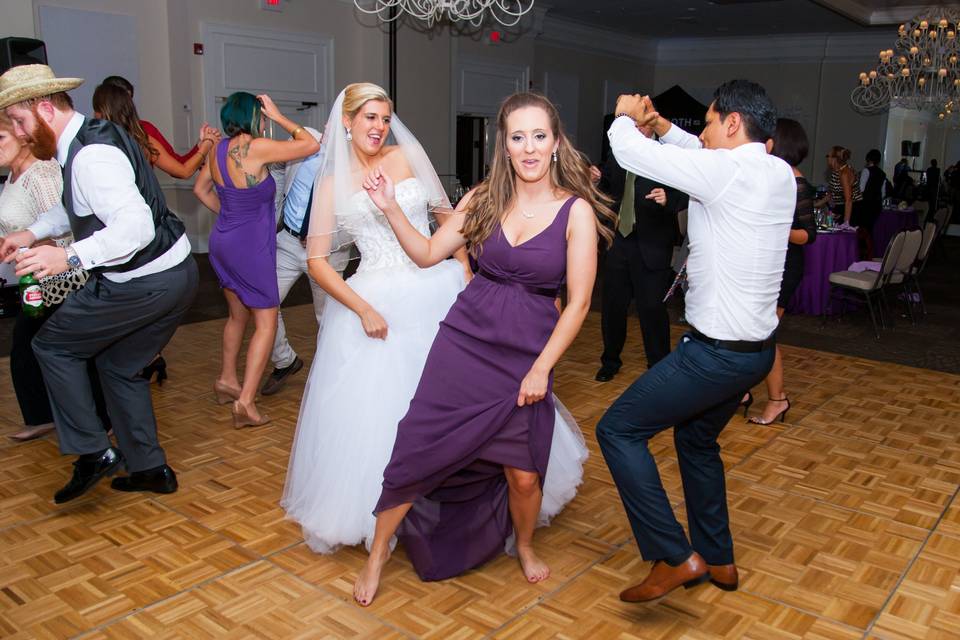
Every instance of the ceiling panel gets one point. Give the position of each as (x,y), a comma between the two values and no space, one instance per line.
(700,18)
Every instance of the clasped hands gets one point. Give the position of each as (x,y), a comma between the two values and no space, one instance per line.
(640,108)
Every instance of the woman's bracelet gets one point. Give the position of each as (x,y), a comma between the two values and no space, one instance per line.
(293,134)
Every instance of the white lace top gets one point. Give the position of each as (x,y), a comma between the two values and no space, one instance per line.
(36,191)
(372,233)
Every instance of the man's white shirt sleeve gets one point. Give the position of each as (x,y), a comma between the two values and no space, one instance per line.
(104,185)
(679,162)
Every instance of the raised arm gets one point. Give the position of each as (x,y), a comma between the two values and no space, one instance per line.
(265,150)
(581,273)
(424,251)
(170,165)
(679,162)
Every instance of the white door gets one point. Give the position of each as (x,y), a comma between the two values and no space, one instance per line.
(295,69)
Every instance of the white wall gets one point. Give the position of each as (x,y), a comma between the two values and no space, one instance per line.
(809,78)
(591,71)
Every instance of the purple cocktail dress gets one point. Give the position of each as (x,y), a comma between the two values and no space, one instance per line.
(463,425)
(243,243)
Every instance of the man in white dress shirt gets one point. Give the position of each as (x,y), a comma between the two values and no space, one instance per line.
(142,281)
(741,208)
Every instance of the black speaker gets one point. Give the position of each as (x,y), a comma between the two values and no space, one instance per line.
(17,51)
(915,149)
(905,147)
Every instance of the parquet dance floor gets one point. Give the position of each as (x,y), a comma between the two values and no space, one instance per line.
(846,521)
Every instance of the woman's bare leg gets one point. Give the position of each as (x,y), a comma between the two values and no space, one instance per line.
(776,395)
(233,332)
(368,580)
(525,498)
(258,351)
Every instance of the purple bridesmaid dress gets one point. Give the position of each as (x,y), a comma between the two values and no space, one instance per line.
(243,243)
(463,425)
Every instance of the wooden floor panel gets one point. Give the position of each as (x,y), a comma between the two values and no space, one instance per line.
(845,517)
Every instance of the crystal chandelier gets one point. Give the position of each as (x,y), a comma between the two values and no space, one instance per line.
(506,12)
(921,71)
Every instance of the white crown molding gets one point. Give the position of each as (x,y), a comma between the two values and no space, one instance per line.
(571,35)
(871,16)
(784,48)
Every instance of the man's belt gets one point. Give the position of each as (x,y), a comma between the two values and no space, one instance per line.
(742,346)
(295,234)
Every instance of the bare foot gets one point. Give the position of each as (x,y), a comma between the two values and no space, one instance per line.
(533,567)
(365,588)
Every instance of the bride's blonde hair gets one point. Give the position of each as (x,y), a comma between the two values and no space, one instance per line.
(359,93)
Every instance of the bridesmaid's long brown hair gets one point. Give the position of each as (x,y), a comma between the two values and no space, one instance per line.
(570,172)
(116,105)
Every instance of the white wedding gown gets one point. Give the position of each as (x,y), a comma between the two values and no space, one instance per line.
(359,387)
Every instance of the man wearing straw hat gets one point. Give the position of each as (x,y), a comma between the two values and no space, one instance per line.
(143,279)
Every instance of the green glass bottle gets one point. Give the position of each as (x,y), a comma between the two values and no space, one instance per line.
(31,298)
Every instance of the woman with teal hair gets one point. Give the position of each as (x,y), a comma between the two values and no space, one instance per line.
(243,250)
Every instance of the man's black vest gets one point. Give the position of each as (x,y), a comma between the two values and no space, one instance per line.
(168,226)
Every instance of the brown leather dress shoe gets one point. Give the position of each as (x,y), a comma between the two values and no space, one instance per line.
(663,579)
(724,576)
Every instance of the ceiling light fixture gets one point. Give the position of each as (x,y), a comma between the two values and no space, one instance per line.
(921,71)
(506,12)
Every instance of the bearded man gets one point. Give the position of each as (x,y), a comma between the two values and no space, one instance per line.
(142,281)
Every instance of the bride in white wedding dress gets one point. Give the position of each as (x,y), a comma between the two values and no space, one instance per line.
(376,330)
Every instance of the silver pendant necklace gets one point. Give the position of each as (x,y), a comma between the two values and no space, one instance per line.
(526,215)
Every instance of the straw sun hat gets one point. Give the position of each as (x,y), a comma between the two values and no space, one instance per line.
(32,81)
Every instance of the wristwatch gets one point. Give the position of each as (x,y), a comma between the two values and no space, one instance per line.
(73,260)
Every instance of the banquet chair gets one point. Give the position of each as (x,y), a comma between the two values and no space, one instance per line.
(912,280)
(941,219)
(922,209)
(905,261)
(869,284)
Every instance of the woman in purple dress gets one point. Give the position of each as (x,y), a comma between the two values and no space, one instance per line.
(471,454)
(243,244)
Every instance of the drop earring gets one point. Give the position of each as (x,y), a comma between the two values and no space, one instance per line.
(349,135)
(554,156)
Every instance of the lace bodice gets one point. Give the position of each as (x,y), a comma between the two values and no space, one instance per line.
(372,233)
(36,191)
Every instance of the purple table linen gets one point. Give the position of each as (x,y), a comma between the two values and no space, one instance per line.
(463,425)
(889,223)
(830,253)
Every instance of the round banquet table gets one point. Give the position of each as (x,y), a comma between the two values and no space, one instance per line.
(831,252)
(889,223)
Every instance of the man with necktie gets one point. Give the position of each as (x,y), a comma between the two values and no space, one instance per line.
(637,265)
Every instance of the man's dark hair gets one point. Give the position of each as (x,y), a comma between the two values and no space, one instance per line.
(752,103)
(790,142)
(120,82)
(933,163)
(874,156)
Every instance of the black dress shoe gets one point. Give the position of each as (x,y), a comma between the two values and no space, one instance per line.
(605,374)
(87,471)
(279,377)
(160,479)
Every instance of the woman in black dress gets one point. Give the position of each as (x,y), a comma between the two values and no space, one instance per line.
(789,143)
